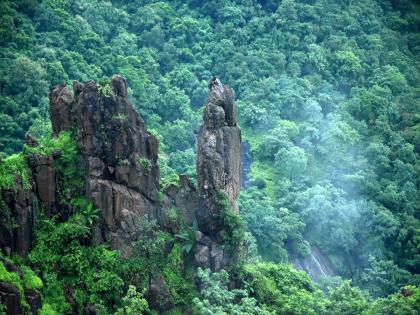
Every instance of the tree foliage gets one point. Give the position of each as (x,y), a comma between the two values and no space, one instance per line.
(327,95)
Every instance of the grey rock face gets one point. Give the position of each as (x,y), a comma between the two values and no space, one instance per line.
(61,100)
(119,157)
(218,156)
(119,154)
(10,297)
(218,171)
(159,295)
(16,228)
(44,176)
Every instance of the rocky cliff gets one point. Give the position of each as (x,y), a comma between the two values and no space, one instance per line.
(118,153)
(120,173)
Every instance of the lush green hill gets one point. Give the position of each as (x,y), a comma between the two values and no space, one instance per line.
(327,94)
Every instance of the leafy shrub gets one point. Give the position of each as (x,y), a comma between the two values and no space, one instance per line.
(180,285)
(68,164)
(170,179)
(53,295)
(146,164)
(85,210)
(284,289)
(14,165)
(347,300)
(216,298)
(149,260)
(187,236)
(30,279)
(105,88)
(173,214)
(47,309)
(13,278)
(133,303)
(62,253)
(234,226)
(405,302)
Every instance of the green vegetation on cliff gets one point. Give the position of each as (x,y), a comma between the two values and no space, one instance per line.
(328,99)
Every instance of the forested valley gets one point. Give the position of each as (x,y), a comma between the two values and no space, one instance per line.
(328,103)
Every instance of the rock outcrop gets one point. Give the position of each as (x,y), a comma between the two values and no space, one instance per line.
(119,155)
(10,298)
(218,155)
(218,173)
(17,220)
(121,174)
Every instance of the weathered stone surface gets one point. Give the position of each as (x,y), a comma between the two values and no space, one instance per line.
(17,225)
(218,156)
(119,86)
(221,95)
(232,161)
(44,176)
(210,254)
(61,101)
(100,192)
(120,156)
(108,126)
(201,256)
(31,141)
(202,239)
(184,198)
(9,296)
(159,296)
(33,298)
(218,172)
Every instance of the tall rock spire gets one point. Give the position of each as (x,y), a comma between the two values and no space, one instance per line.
(218,154)
(218,173)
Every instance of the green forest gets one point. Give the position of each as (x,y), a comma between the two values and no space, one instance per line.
(328,101)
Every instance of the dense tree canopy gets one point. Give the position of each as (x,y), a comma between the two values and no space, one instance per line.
(328,99)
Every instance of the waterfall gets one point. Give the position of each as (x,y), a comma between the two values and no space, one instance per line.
(315,264)
(318,264)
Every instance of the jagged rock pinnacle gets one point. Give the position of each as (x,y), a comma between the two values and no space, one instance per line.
(219,144)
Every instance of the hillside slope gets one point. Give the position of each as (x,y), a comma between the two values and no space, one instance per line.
(328,103)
